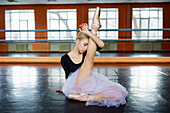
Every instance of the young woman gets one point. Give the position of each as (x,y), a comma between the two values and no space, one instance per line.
(84,84)
(73,60)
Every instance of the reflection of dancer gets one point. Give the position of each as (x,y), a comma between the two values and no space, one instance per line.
(86,85)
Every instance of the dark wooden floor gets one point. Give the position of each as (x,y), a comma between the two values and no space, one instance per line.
(32,89)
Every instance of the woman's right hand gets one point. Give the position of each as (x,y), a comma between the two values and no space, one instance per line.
(84,28)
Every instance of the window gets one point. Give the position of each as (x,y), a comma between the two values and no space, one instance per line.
(147,18)
(109,20)
(62,19)
(19,20)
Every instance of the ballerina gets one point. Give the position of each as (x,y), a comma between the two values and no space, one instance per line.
(73,60)
(87,85)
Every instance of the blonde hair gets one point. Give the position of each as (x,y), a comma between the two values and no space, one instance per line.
(81,35)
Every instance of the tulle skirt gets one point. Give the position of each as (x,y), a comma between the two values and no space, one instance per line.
(95,84)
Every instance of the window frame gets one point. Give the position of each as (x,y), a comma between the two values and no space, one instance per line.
(28,20)
(68,35)
(159,34)
(106,19)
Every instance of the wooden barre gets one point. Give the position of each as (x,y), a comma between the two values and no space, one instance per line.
(100,60)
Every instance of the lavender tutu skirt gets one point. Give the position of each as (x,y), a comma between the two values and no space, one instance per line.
(95,84)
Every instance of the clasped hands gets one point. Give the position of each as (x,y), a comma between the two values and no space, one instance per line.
(84,28)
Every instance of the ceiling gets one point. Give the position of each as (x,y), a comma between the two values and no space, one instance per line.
(17,2)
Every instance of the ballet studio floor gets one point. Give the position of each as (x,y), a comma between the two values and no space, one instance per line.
(31,88)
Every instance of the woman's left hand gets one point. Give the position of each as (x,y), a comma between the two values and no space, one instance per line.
(84,28)
(59,90)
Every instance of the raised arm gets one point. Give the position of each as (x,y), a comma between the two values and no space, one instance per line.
(96,39)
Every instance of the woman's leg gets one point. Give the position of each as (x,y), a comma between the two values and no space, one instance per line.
(95,97)
(87,65)
(86,97)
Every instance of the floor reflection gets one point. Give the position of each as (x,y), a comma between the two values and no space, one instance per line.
(146,55)
(23,76)
(144,88)
(59,75)
(144,77)
(31,88)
